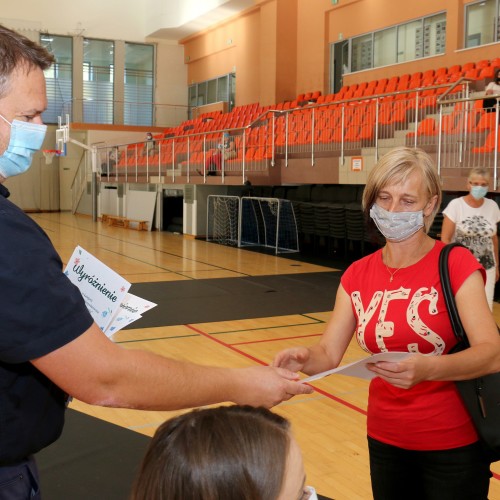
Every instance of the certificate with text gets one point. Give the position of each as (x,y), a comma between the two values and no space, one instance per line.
(102,288)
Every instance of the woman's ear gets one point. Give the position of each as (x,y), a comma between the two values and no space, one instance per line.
(428,209)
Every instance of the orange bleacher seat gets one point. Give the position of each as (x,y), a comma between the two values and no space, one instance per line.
(249,154)
(381,86)
(427,127)
(352,133)
(495,62)
(403,84)
(315,94)
(441,72)
(472,73)
(373,84)
(325,136)
(367,133)
(429,74)
(487,72)
(489,144)
(468,66)
(454,69)
(466,123)
(484,63)
(453,77)
(486,122)
(405,78)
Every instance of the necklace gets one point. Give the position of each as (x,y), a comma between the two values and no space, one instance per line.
(412,256)
(393,273)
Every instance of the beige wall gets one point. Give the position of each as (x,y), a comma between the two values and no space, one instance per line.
(282,46)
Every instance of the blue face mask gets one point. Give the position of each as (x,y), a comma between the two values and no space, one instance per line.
(478,192)
(25,140)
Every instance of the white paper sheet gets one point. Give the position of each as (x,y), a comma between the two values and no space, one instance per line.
(104,292)
(358,368)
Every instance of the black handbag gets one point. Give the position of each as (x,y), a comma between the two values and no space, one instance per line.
(481,395)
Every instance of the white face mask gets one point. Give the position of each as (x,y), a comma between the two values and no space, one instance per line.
(312,493)
(397,226)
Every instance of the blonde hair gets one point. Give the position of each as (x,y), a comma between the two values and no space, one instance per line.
(479,172)
(395,167)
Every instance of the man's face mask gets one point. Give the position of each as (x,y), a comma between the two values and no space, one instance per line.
(25,139)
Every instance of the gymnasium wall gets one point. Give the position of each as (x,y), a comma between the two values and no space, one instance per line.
(286,42)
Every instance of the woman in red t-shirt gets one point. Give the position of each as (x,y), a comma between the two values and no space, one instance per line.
(421,439)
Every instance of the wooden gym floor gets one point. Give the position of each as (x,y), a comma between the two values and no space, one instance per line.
(328,424)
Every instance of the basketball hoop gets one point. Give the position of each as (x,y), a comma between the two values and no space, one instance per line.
(49,155)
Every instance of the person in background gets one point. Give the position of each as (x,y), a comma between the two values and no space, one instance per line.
(49,345)
(229,452)
(150,145)
(493,88)
(472,220)
(226,150)
(421,440)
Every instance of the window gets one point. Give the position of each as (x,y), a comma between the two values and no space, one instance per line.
(139,84)
(408,40)
(383,47)
(219,89)
(58,77)
(481,23)
(98,74)
(361,53)
(405,42)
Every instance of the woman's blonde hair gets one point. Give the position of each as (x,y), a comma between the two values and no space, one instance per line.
(394,168)
(479,172)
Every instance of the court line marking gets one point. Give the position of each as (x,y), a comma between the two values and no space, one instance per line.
(316,389)
(253,358)
(315,321)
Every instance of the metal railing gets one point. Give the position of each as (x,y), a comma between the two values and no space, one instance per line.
(445,120)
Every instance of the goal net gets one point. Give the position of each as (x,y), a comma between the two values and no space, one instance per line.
(222,219)
(268,222)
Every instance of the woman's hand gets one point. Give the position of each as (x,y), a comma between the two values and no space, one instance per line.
(292,359)
(403,374)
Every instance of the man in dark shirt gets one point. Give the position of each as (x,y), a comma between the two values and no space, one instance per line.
(49,345)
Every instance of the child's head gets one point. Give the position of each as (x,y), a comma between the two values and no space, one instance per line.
(230,452)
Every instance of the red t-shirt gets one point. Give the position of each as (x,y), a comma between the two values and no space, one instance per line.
(409,314)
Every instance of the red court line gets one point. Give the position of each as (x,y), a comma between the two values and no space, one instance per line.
(316,389)
(235,349)
(275,339)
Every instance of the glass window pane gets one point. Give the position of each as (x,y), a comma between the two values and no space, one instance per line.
(58,77)
(384,47)
(223,89)
(410,41)
(202,94)
(98,67)
(361,54)
(480,23)
(212,91)
(434,35)
(139,84)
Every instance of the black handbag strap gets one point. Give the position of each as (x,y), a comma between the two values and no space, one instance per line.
(449,298)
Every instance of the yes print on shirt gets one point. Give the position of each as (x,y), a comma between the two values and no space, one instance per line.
(381,301)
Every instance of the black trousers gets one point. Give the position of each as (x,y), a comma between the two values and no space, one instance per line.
(20,481)
(457,474)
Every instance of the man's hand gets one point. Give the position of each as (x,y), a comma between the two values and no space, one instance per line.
(267,386)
